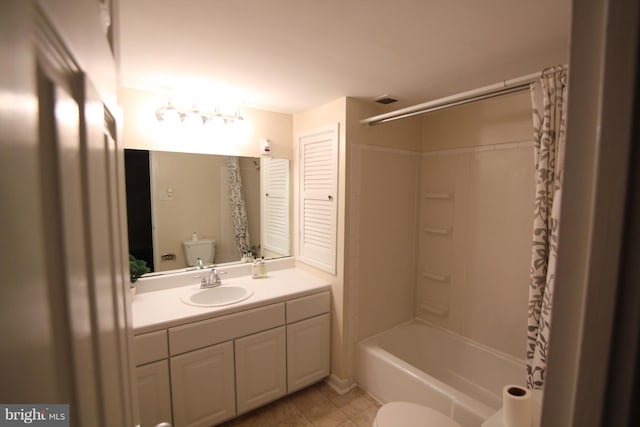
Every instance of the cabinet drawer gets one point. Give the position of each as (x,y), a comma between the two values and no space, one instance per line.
(208,332)
(150,347)
(305,307)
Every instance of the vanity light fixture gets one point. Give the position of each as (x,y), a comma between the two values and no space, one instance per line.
(170,113)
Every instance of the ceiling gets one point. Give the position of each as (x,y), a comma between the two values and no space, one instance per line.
(294,55)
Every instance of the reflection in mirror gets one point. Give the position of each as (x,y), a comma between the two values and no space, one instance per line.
(173,198)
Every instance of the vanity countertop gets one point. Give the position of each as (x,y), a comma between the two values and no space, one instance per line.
(162,309)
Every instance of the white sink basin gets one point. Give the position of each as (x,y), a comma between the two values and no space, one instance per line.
(214,297)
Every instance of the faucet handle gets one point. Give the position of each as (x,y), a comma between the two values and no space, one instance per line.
(217,274)
(214,276)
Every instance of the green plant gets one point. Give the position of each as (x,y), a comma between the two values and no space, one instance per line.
(137,267)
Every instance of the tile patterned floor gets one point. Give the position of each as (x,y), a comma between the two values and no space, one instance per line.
(316,406)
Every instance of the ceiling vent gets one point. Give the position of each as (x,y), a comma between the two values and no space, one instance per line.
(386,99)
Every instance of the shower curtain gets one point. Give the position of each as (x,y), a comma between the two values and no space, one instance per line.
(549,99)
(238,209)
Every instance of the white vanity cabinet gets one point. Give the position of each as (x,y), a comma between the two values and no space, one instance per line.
(209,371)
(210,383)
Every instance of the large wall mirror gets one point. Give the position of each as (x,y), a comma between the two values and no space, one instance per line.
(173,197)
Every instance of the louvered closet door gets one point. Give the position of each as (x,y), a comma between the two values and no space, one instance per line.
(318,197)
(275,205)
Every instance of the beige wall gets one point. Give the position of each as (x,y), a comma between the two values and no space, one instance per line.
(327,114)
(141,130)
(398,135)
(503,119)
(487,254)
(206,212)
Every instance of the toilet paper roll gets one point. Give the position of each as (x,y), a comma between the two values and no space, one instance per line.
(516,406)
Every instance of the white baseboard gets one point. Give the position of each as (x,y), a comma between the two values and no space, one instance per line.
(341,386)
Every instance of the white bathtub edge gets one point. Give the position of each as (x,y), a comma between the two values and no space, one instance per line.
(386,377)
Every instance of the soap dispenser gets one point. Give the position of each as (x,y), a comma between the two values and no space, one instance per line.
(263,268)
(255,269)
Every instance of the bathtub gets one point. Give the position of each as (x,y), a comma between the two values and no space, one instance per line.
(425,364)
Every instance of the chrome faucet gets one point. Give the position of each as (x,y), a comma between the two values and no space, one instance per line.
(212,280)
(199,263)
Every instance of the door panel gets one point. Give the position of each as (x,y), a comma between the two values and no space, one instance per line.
(62,183)
(120,266)
(104,281)
(49,350)
(32,368)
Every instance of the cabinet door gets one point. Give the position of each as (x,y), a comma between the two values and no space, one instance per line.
(318,197)
(308,351)
(260,368)
(154,394)
(274,205)
(202,384)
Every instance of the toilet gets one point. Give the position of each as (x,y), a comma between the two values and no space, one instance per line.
(205,249)
(407,414)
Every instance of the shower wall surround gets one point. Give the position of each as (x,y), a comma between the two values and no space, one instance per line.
(476,211)
(384,178)
(384,208)
(476,204)
(466,175)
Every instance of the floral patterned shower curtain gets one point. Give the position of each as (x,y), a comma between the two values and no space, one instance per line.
(549,99)
(238,209)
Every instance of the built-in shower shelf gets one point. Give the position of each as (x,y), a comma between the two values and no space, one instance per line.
(438,196)
(436,310)
(440,231)
(444,278)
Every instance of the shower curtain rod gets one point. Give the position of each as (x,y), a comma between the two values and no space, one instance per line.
(486,92)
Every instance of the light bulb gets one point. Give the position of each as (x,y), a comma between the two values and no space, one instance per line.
(215,121)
